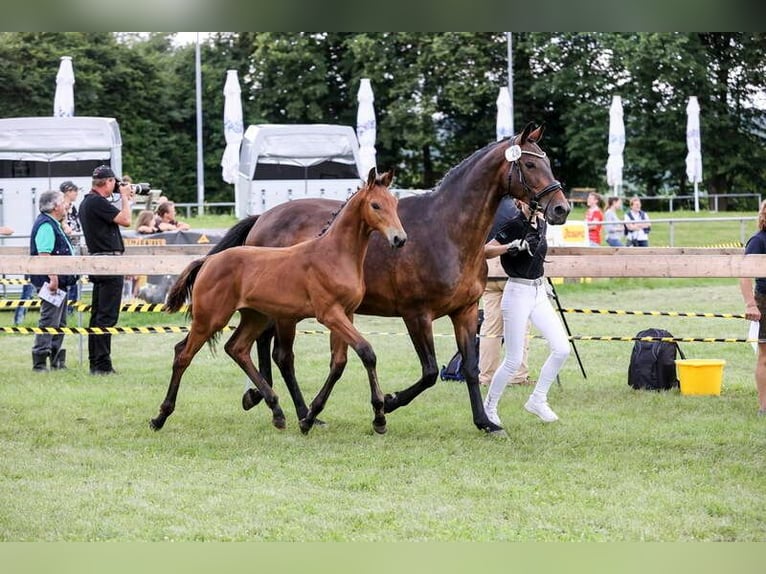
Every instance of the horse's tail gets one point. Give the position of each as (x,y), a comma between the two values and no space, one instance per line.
(181,290)
(235,236)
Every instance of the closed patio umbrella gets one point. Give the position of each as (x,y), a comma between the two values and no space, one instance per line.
(694,145)
(63,100)
(233,127)
(366,131)
(614,163)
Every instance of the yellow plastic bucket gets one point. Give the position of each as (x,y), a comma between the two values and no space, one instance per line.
(700,376)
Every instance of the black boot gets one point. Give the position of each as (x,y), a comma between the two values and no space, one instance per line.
(59,360)
(40,362)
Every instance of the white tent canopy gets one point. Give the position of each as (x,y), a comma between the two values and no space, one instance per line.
(61,139)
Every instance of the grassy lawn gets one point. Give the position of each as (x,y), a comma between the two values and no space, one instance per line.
(81,464)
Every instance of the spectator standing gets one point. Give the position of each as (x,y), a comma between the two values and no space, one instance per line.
(754,294)
(594,216)
(101,221)
(491,331)
(522,247)
(638,224)
(614,226)
(73,231)
(48,239)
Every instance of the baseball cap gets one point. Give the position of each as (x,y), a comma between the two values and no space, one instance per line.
(68,185)
(103,172)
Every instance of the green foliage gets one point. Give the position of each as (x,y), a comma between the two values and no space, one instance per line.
(434,98)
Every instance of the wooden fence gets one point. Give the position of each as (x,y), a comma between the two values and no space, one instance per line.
(561,262)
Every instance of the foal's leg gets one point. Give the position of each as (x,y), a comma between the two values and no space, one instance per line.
(251,396)
(344,332)
(184,353)
(238,347)
(338,360)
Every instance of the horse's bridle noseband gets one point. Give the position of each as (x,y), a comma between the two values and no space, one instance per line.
(534,204)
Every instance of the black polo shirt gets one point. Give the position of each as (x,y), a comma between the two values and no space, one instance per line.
(102,234)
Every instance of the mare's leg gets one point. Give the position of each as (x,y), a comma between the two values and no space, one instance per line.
(420,328)
(338,360)
(252,397)
(285,360)
(238,347)
(465,322)
(345,334)
(184,353)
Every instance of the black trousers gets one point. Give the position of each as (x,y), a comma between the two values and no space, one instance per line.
(105,310)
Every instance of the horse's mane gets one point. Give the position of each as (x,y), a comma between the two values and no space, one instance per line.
(459,169)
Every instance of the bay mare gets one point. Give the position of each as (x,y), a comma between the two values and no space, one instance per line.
(321,278)
(441,272)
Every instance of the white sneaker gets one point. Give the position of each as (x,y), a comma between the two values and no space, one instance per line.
(542,410)
(491,411)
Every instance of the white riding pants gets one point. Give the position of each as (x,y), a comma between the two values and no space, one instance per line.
(524,303)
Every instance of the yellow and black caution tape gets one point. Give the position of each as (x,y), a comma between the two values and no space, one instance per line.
(125,307)
(4,281)
(661,339)
(655,313)
(100,330)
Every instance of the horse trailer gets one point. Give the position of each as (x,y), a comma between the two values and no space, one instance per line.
(280,163)
(39,153)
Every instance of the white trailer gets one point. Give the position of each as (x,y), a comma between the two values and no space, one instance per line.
(280,163)
(39,153)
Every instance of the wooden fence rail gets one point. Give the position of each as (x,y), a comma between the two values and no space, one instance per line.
(562,262)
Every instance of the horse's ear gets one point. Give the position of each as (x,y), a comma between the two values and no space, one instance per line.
(373,173)
(537,134)
(525,134)
(387,178)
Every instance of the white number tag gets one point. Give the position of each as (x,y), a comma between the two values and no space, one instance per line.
(513,153)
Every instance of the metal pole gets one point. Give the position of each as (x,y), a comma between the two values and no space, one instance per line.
(200,164)
(566,326)
(509,38)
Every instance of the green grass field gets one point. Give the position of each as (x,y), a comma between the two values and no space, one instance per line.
(81,464)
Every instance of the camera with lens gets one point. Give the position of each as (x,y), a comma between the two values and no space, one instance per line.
(137,189)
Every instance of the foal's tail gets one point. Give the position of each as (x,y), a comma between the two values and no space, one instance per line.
(235,236)
(182,288)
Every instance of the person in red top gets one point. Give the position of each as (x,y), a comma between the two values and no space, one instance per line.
(595,214)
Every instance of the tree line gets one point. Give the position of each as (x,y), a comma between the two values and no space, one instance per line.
(434,98)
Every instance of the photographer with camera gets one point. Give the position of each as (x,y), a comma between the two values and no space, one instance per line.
(101,221)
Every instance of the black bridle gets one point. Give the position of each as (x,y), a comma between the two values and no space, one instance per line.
(534,203)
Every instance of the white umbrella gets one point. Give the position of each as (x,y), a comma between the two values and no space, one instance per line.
(694,145)
(614,163)
(233,127)
(366,126)
(504,126)
(63,101)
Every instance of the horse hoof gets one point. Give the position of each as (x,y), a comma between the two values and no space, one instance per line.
(493,429)
(156,424)
(320,423)
(279,422)
(390,403)
(500,433)
(251,398)
(380,429)
(305,426)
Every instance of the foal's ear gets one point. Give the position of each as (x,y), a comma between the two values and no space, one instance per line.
(387,178)
(371,176)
